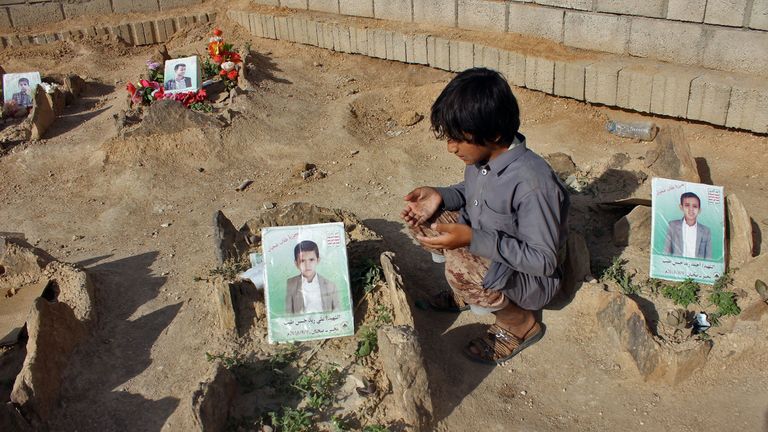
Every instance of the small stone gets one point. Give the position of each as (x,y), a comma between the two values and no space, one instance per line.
(523,392)
(165,225)
(762,289)
(266,428)
(77,237)
(306,174)
(268,205)
(244,185)
(317,64)
(201,169)
(354,152)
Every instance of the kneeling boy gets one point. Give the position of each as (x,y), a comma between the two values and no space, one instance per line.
(503,229)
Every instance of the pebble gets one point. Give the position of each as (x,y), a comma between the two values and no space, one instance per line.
(523,392)
(354,152)
(268,205)
(244,185)
(165,225)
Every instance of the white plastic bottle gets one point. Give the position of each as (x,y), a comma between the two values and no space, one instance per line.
(644,131)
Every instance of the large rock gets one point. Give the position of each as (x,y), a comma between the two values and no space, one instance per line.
(634,229)
(169,116)
(401,315)
(74,86)
(226,244)
(225,305)
(42,115)
(400,355)
(213,398)
(671,157)
(740,241)
(561,163)
(623,321)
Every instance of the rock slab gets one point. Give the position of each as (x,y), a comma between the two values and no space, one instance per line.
(42,115)
(740,239)
(401,308)
(634,229)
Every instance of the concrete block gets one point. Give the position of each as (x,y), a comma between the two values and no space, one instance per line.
(487,57)
(267,2)
(686,10)
(172,4)
(398,47)
(128,6)
(737,51)
(439,53)
(256,25)
(512,66)
(361,8)
(671,90)
(567,4)
(169,29)
(379,39)
(486,15)
(439,12)
(726,12)
(669,41)
(537,21)
(281,28)
(709,99)
(540,74)
(299,27)
(759,17)
(330,6)
(462,55)
(344,37)
(180,22)
(361,41)
(295,4)
(634,88)
(327,41)
(137,31)
(601,79)
(93,7)
(569,79)
(649,8)
(748,108)
(26,15)
(416,49)
(149,35)
(5,19)
(268,23)
(396,10)
(159,28)
(609,33)
(313,34)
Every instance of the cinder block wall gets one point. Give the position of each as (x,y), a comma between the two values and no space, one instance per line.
(726,35)
(23,13)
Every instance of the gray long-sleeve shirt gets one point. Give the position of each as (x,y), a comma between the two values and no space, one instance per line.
(518,211)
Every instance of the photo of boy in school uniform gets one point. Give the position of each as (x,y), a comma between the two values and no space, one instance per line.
(503,229)
(687,237)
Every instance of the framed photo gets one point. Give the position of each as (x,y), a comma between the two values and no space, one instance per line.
(307,289)
(688,231)
(181,75)
(20,88)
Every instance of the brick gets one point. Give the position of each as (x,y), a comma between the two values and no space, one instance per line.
(569,79)
(666,40)
(486,15)
(313,35)
(540,74)
(295,4)
(671,90)
(462,55)
(26,15)
(439,12)
(649,8)
(93,7)
(512,66)
(597,32)
(634,88)
(378,38)
(759,17)
(361,8)
(709,99)
(331,6)
(568,4)
(536,21)
(172,4)
(737,51)
(361,41)
(398,47)
(396,10)
(128,6)
(725,12)
(601,79)
(686,10)
(487,57)
(5,19)
(748,108)
(255,22)
(439,53)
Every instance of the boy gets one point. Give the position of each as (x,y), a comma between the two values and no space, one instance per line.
(308,291)
(23,97)
(505,246)
(687,237)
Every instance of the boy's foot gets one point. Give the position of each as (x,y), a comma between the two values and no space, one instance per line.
(447,301)
(499,345)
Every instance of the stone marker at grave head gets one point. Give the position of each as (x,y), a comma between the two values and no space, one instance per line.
(740,241)
(42,115)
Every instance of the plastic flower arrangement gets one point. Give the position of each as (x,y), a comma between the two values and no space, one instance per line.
(226,61)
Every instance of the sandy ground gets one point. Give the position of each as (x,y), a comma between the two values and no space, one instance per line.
(311,105)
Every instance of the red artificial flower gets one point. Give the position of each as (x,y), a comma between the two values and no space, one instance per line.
(218,59)
(144,83)
(131,88)
(232,74)
(235,58)
(217,32)
(223,72)
(159,94)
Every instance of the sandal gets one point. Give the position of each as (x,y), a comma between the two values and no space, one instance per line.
(447,301)
(499,345)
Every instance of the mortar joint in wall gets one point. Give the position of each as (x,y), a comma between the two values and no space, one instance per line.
(748,13)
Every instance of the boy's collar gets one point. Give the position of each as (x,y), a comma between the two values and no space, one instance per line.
(516,149)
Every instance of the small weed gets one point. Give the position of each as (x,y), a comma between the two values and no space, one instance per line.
(292,420)
(368,276)
(383,315)
(339,424)
(317,386)
(654,285)
(682,293)
(285,355)
(201,107)
(367,341)
(210,69)
(725,301)
(230,269)
(376,428)
(228,361)
(618,274)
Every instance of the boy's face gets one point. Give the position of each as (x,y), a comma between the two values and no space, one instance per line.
(180,71)
(471,153)
(307,263)
(24,86)
(691,209)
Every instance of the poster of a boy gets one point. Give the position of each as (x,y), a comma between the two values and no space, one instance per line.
(182,75)
(503,229)
(687,237)
(19,88)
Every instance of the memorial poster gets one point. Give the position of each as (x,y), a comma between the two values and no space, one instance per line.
(19,88)
(182,75)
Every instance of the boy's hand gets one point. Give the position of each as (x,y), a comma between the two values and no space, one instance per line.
(452,236)
(420,205)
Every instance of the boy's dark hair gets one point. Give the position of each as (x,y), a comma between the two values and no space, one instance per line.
(26,80)
(305,246)
(178,65)
(689,195)
(477,106)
